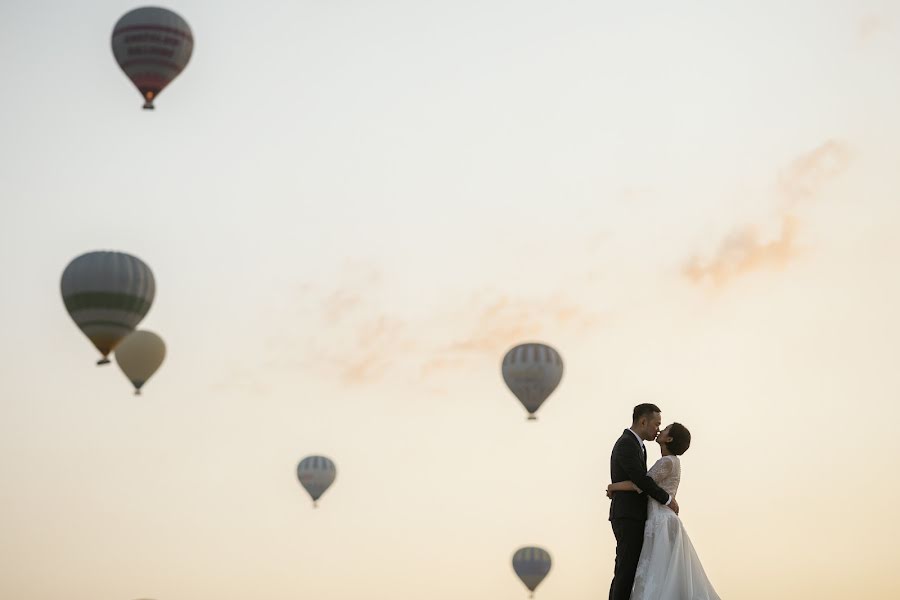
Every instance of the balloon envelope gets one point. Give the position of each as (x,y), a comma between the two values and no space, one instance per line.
(139,356)
(532,372)
(107,294)
(316,474)
(531,564)
(152,45)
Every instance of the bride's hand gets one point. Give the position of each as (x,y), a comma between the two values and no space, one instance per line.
(674,506)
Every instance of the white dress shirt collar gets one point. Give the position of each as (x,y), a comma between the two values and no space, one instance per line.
(640,441)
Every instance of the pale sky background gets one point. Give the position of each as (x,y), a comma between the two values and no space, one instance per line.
(353,209)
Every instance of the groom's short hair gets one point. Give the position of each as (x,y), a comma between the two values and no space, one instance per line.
(643,410)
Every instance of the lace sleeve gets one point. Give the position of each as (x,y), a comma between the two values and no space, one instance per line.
(666,473)
(661,470)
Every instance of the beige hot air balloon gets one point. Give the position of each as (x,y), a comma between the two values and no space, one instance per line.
(139,356)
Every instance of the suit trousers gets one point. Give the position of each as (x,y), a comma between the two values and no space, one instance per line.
(629,541)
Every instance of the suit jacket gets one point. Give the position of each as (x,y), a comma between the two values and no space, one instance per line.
(627,463)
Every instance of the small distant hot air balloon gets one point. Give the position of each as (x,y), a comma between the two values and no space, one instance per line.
(139,356)
(316,474)
(107,294)
(152,45)
(531,564)
(532,372)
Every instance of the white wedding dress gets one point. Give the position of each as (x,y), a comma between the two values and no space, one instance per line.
(668,568)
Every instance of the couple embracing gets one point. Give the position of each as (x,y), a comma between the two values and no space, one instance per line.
(655,559)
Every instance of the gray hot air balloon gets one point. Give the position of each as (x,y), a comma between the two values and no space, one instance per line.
(139,356)
(531,564)
(532,372)
(107,294)
(316,474)
(152,45)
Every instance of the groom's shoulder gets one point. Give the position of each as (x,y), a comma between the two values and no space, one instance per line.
(625,438)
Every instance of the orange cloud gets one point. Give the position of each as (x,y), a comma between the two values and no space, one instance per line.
(746,250)
(340,303)
(806,175)
(869,27)
(359,280)
(379,342)
(366,343)
(493,325)
(742,252)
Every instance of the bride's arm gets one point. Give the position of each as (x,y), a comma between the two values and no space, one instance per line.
(623,486)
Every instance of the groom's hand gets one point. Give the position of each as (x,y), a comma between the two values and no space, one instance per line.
(673,505)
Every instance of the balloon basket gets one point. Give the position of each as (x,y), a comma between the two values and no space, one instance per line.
(531,418)
(103,361)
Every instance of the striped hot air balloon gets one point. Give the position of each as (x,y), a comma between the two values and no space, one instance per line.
(139,356)
(532,372)
(316,474)
(531,564)
(152,45)
(107,294)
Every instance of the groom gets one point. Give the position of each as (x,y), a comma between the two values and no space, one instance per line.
(628,511)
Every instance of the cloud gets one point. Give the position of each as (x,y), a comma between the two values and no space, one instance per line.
(346,334)
(358,280)
(363,343)
(492,324)
(747,249)
(379,342)
(341,303)
(743,251)
(807,174)
(869,27)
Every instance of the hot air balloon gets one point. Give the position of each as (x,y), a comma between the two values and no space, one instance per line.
(139,356)
(152,45)
(531,564)
(107,294)
(532,372)
(316,474)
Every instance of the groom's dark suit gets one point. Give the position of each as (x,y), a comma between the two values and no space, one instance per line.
(628,511)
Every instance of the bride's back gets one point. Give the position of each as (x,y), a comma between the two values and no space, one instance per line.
(666,472)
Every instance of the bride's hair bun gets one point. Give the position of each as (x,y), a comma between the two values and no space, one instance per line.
(681,439)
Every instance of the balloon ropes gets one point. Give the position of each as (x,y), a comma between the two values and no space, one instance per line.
(139,356)
(107,294)
(531,564)
(152,45)
(532,372)
(316,474)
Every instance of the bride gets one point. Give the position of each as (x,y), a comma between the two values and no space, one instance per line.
(668,568)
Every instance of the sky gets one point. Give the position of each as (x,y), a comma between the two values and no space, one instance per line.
(354,209)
